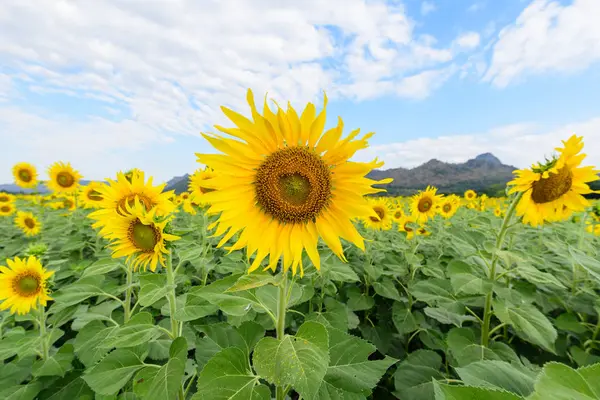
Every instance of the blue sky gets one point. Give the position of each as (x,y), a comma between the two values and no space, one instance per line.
(112,86)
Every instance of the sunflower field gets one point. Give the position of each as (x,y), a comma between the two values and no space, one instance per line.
(285,273)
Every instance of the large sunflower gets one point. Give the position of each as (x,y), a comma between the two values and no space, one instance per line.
(23,285)
(285,183)
(63,178)
(424,204)
(28,223)
(195,185)
(383,220)
(139,235)
(25,175)
(90,196)
(553,189)
(120,192)
(7,209)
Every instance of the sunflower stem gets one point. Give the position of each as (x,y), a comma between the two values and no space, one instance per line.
(43,334)
(127,304)
(487,311)
(171,295)
(282,301)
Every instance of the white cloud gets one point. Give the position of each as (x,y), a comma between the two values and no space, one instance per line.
(427,7)
(478,5)
(547,37)
(468,40)
(519,145)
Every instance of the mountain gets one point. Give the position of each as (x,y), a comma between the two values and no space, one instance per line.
(179,184)
(12,188)
(484,173)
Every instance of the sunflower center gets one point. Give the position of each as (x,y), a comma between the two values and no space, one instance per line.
(94,195)
(65,179)
(553,187)
(144,237)
(398,214)
(5,208)
(447,207)
(68,203)
(27,285)
(424,204)
(144,200)
(30,223)
(293,185)
(25,175)
(407,228)
(3,199)
(380,213)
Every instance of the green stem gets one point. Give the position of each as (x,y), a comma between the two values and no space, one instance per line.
(280,391)
(43,335)
(487,311)
(171,295)
(127,304)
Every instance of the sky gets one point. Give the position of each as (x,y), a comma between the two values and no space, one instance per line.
(115,84)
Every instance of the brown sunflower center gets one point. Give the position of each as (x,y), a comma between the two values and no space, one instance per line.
(94,195)
(447,207)
(398,214)
(422,231)
(424,204)
(68,203)
(130,200)
(3,199)
(144,237)
(27,284)
(293,185)
(407,228)
(380,213)
(5,209)
(65,179)
(29,222)
(25,175)
(553,187)
(185,196)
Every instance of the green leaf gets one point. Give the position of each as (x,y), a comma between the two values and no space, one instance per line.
(569,322)
(560,382)
(57,365)
(78,292)
(101,267)
(537,277)
(18,342)
(498,375)
(300,360)
(335,315)
(387,289)
(113,372)
(464,279)
(446,316)
(21,392)
(102,312)
(244,337)
(194,308)
(358,300)
(168,380)
(413,378)
(143,379)
(153,287)
(433,291)
(227,376)
(336,270)
(15,372)
(448,392)
(529,323)
(72,386)
(464,346)
(403,318)
(582,358)
(138,330)
(251,281)
(88,340)
(349,366)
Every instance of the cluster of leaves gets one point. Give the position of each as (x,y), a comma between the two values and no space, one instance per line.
(402,320)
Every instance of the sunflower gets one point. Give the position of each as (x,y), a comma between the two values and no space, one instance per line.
(139,235)
(423,231)
(498,212)
(398,214)
(63,178)
(23,285)
(424,204)
(117,194)
(28,223)
(407,224)
(25,175)
(195,185)
(555,187)
(7,198)
(90,196)
(448,205)
(69,203)
(188,207)
(285,184)
(7,209)
(383,219)
(130,174)
(470,195)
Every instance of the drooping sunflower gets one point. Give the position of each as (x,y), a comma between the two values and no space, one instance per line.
(25,175)
(448,205)
(408,225)
(384,218)
(7,209)
(470,195)
(196,188)
(424,204)
(63,178)
(120,192)
(6,198)
(423,231)
(285,183)
(28,223)
(23,285)
(139,235)
(555,187)
(90,196)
